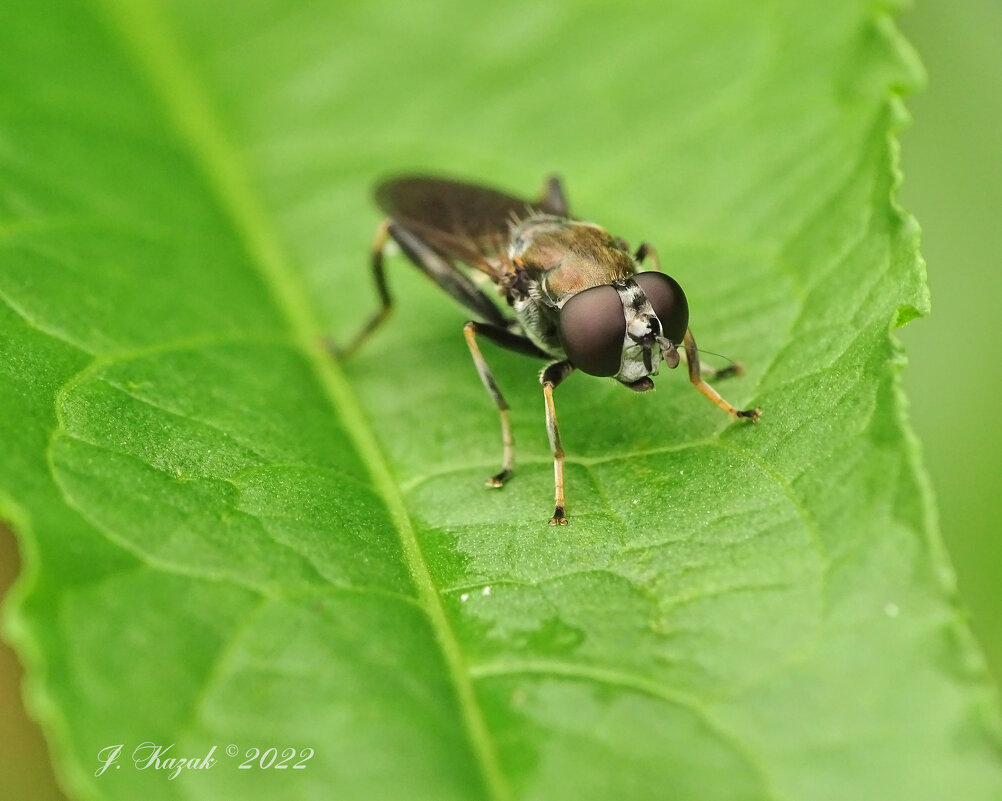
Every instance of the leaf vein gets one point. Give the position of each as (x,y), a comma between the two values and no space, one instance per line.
(145,36)
(631,683)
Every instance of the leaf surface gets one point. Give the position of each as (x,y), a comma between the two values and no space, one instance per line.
(234,540)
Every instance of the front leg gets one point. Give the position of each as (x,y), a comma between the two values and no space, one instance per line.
(692,357)
(550,378)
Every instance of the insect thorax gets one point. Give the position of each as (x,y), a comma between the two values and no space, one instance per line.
(557,258)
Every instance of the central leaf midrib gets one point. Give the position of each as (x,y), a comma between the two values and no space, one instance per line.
(145,36)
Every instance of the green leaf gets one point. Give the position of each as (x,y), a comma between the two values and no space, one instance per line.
(233,540)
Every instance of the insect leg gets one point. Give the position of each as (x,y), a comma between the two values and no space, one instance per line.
(692,357)
(550,378)
(439,269)
(385,301)
(714,373)
(513,342)
(552,200)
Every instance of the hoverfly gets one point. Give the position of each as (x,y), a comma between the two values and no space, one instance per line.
(578,297)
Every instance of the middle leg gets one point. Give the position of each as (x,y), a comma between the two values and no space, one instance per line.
(519,344)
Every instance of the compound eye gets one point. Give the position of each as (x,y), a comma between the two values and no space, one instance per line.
(669,303)
(592,328)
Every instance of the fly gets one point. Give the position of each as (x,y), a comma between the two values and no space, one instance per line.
(576,293)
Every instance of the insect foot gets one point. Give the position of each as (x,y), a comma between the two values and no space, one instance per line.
(499,479)
(750,414)
(727,372)
(558,518)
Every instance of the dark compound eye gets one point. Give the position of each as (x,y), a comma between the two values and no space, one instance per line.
(592,328)
(668,301)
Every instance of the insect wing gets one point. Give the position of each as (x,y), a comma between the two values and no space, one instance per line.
(460,221)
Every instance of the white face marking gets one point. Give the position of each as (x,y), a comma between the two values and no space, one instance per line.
(641,324)
(633,367)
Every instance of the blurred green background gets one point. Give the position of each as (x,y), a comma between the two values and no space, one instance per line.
(952,159)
